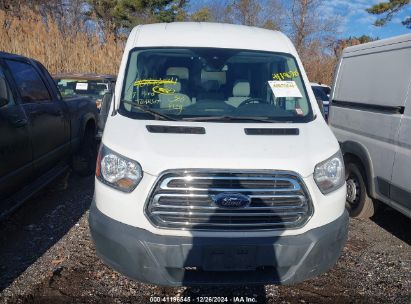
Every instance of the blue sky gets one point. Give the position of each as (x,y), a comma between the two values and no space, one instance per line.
(355,21)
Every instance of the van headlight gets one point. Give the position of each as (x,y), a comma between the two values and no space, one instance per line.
(329,175)
(117,171)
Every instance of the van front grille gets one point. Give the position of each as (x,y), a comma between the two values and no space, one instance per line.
(186,199)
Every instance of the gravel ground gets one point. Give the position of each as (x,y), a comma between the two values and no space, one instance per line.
(46,256)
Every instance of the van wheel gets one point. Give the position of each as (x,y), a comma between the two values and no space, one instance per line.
(358,203)
(84,161)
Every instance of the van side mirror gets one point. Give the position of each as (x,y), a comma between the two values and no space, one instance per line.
(105,107)
(106,102)
(321,106)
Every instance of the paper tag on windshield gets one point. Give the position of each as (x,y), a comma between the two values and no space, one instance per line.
(285,88)
(82,86)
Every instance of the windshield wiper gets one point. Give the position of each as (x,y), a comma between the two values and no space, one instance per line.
(149,111)
(231,118)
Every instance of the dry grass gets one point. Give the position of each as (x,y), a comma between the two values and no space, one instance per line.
(71,51)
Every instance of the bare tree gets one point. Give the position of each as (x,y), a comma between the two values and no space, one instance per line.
(309,24)
(260,13)
(246,11)
(221,11)
(273,14)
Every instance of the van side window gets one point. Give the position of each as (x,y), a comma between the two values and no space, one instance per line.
(6,97)
(29,82)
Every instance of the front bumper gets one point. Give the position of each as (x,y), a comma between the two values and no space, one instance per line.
(176,260)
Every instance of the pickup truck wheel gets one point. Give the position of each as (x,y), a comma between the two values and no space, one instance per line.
(84,162)
(358,203)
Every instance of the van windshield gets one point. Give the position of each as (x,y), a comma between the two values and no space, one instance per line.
(213,84)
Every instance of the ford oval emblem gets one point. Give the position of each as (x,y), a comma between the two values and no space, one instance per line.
(231,200)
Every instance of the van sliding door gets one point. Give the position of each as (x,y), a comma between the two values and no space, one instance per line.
(400,188)
(367,106)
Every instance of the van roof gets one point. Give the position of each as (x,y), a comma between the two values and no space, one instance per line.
(378,43)
(207,34)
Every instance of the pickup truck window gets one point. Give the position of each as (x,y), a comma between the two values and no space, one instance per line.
(91,88)
(46,75)
(29,82)
(214,84)
(6,97)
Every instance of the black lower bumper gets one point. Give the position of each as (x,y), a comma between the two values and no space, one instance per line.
(175,261)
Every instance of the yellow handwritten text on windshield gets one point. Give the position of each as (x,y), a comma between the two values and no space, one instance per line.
(286,75)
(177,103)
(160,90)
(147,82)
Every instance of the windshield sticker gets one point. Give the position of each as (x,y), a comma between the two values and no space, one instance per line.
(286,75)
(285,89)
(299,111)
(83,86)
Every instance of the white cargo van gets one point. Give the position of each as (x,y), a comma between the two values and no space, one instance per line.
(371,117)
(216,165)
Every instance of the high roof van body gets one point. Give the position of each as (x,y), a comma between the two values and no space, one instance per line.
(371,117)
(216,165)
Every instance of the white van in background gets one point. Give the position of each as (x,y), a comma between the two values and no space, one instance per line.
(216,165)
(370,114)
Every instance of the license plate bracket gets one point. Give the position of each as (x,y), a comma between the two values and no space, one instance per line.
(229,258)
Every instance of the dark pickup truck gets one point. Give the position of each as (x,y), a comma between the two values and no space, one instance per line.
(41,134)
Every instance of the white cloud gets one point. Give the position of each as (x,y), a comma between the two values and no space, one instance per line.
(351,12)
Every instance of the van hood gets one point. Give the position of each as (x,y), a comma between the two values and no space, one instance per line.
(223,146)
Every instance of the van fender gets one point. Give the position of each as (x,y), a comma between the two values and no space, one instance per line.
(361,152)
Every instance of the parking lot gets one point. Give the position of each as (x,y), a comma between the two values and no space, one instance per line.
(47,256)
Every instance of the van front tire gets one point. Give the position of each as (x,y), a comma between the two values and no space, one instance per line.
(358,203)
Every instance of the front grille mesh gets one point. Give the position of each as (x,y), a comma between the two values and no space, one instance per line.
(183,199)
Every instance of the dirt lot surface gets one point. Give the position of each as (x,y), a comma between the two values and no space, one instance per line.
(46,256)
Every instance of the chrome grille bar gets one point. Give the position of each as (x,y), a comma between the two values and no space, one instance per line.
(210,214)
(185,199)
(153,207)
(240,225)
(189,179)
